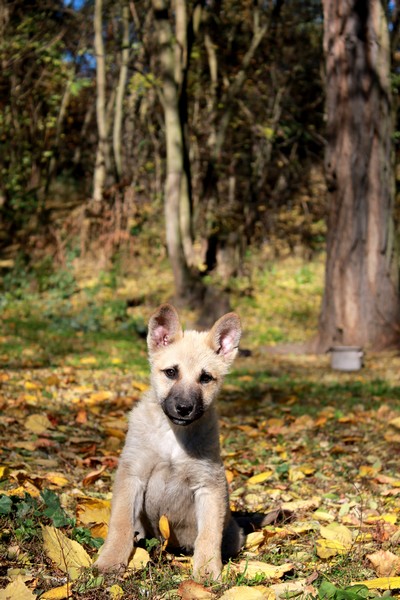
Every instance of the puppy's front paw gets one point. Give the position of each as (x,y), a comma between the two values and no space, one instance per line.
(110,561)
(206,567)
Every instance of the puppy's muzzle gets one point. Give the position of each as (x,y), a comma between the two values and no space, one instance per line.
(183,409)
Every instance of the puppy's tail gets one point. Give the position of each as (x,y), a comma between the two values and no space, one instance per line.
(249,522)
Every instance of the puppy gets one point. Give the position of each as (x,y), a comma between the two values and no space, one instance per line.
(171,463)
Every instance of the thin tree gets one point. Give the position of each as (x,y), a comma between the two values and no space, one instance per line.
(173,60)
(361,303)
(119,99)
(100,169)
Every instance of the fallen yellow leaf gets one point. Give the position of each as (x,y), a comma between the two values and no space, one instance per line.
(116,592)
(31,385)
(142,387)
(260,477)
(381,583)
(386,518)
(251,568)
(338,533)
(93,510)
(254,539)
(30,399)
(116,433)
(322,515)
(58,593)
(395,422)
(303,528)
(368,471)
(244,592)
(295,474)
(100,530)
(163,525)
(30,446)
(21,490)
(17,590)
(68,555)
(88,360)
(37,423)
(295,505)
(4,472)
(57,479)
(100,396)
(327,548)
(392,437)
(229,475)
(307,469)
(297,588)
(364,537)
(139,560)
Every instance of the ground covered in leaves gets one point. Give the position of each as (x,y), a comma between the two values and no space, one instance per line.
(311,456)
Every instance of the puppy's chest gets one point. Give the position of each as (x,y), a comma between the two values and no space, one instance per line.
(173,470)
(177,464)
(169,449)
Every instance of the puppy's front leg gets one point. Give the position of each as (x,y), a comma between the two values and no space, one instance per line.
(127,503)
(210,514)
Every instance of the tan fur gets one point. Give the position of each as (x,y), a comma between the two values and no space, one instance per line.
(176,469)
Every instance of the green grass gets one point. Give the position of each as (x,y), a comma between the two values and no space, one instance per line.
(52,315)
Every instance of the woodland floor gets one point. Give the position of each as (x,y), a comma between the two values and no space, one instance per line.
(316,450)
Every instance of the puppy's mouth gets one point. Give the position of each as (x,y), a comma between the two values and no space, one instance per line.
(182,422)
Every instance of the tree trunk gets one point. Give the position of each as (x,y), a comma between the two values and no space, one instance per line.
(119,100)
(100,170)
(361,303)
(184,40)
(175,172)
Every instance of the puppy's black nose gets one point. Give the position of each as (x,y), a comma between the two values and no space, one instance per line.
(184,410)
(181,407)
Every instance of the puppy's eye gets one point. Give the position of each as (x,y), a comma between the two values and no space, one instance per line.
(171,373)
(206,378)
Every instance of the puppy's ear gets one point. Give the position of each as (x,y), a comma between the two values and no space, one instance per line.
(225,335)
(164,328)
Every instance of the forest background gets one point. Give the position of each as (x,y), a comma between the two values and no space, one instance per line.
(222,155)
(135,131)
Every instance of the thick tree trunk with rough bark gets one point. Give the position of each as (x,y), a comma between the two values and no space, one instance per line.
(361,303)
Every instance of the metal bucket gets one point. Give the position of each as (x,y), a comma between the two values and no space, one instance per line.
(347,358)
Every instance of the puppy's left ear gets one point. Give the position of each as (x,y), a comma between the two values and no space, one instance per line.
(225,335)
(164,328)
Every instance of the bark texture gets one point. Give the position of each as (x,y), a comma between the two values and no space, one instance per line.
(361,304)
(175,168)
(100,169)
(119,100)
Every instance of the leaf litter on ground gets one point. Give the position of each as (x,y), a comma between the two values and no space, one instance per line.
(317,450)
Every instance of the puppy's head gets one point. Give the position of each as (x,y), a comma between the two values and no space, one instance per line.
(188,367)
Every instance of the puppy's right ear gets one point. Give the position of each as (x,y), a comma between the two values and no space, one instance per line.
(164,328)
